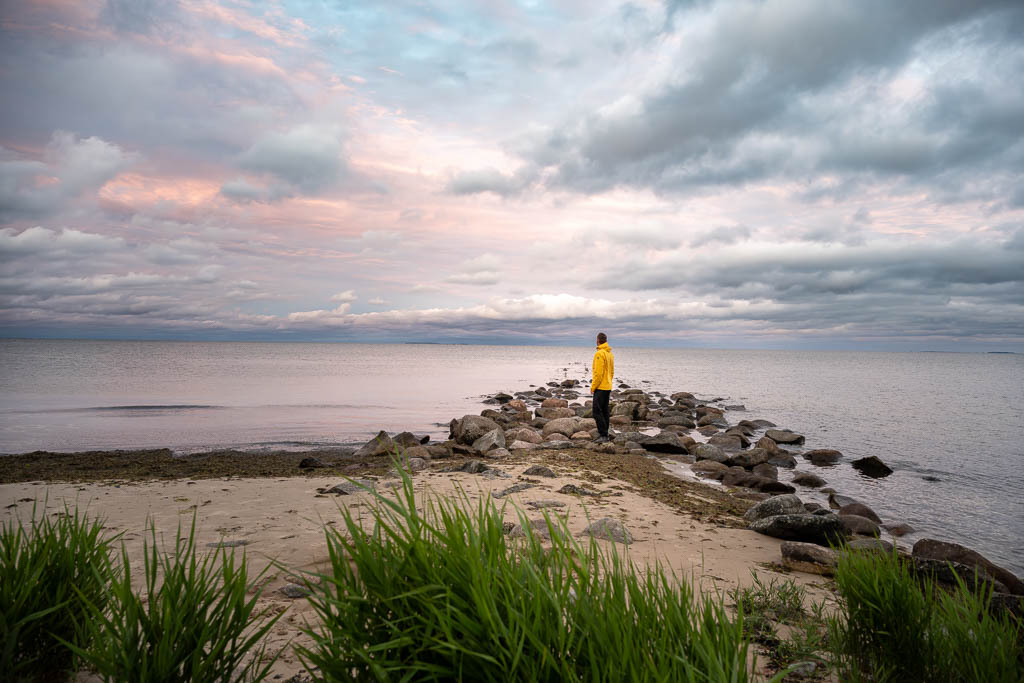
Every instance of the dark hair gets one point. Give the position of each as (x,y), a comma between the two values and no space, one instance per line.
(602,337)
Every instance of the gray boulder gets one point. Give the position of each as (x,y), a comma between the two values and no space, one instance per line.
(566,426)
(730,442)
(782,459)
(872,467)
(856,525)
(751,458)
(778,505)
(709,469)
(708,451)
(472,427)
(766,470)
(784,436)
(870,545)
(819,529)
(491,440)
(931,549)
(663,442)
(609,529)
(860,510)
(809,558)
(381,444)
(823,457)
(837,501)
(538,471)
(808,479)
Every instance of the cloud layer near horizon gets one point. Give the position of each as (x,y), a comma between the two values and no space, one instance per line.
(727,173)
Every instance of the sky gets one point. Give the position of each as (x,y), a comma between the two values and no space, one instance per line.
(792,174)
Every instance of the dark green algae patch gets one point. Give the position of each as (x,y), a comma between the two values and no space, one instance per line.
(643,475)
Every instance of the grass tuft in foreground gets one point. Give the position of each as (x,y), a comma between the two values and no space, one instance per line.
(194,621)
(49,573)
(440,593)
(898,627)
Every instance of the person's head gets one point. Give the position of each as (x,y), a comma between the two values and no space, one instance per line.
(602,337)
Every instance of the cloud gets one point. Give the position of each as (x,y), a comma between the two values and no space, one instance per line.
(725,234)
(67,243)
(490,180)
(307,158)
(346,297)
(70,167)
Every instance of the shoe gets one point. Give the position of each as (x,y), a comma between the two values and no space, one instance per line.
(602,439)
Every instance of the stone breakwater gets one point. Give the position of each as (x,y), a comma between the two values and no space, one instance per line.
(743,457)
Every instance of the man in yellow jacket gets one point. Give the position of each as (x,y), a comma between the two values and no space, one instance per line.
(601,384)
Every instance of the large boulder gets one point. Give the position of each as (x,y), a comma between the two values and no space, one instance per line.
(861,510)
(554,403)
(784,436)
(472,427)
(823,457)
(778,505)
(809,558)
(952,573)
(855,525)
(931,549)
(766,470)
(489,441)
(609,529)
(783,459)
(408,440)
(709,469)
(807,528)
(523,434)
(751,458)
(729,442)
(871,466)
(382,444)
(767,444)
(663,442)
(523,446)
(709,451)
(566,426)
(555,413)
(676,420)
(626,408)
(808,479)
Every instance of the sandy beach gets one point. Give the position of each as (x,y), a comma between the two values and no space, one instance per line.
(279,521)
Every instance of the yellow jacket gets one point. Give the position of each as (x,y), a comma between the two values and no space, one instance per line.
(604,368)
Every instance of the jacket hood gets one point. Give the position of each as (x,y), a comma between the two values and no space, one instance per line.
(604,346)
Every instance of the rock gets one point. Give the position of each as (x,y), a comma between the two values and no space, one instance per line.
(294,590)
(682,395)
(837,501)
(767,444)
(808,528)
(524,434)
(782,459)
(228,544)
(707,430)
(515,488)
(627,408)
(823,457)
(784,436)
(498,453)
(774,487)
(870,545)
(539,527)
(767,471)
(620,420)
(420,452)
(347,488)
(748,459)
(556,413)
(947,571)
(378,445)
(311,463)
(538,471)
(566,426)
(857,525)
(572,489)
(570,382)
(518,405)
(931,549)
(709,468)
(554,403)
(489,441)
(778,505)
(472,427)
(440,450)
(587,423)
(663,442)
(808,479)
(609,529)
(523,446)
(580,436)
(730,442)
(542,504)
(708,451)
(808,557)
(898,529)
(860,510)
(872,467)
(407,439)
(470,467)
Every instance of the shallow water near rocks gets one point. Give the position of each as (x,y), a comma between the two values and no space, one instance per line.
(949,424)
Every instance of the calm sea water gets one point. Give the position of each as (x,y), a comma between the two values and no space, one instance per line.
(956,418)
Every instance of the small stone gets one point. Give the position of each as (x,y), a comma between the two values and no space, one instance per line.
(294,590)
(808,557)
(808,479)
(609,529)
(515,488)
(572,489)
(872,467)
(823,457)
(542,504)
(228,544)
(309,464)
(538,471)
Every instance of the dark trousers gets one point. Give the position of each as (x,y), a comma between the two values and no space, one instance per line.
(601,416)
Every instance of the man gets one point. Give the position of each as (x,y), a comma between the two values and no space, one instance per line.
(601,384)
